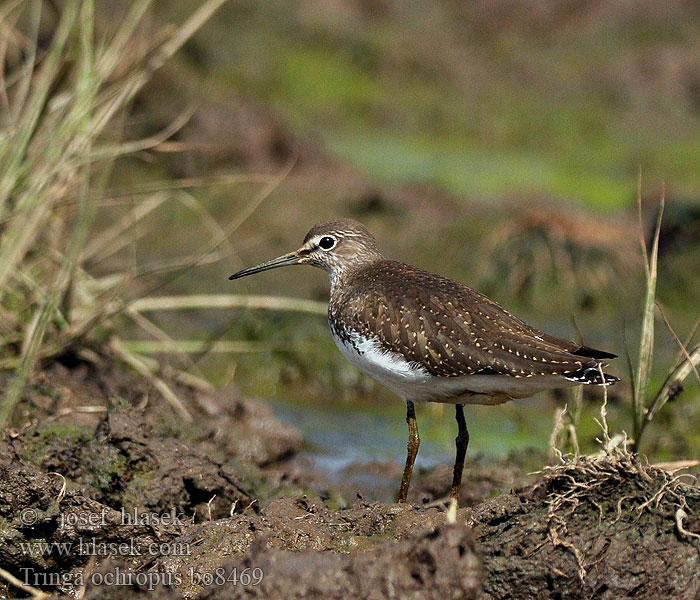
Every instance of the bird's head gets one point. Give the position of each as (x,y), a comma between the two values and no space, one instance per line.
(335,246)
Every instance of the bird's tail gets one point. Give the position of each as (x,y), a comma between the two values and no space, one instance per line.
(592,376)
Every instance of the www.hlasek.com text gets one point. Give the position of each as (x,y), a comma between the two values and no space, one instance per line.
(94,547)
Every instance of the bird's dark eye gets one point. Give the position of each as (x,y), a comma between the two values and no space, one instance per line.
(326,242)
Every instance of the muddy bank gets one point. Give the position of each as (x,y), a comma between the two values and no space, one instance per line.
(606,528)
(437,562)
(315,552)
(123,500)
(63,540)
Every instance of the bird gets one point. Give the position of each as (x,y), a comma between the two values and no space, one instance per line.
(428,338)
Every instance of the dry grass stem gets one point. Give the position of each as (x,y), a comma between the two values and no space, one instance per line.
(197,347)
(677,465)
(225,301)
(64,485)
(142,369)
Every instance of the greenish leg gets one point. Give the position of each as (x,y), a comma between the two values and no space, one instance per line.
(461,441)
(413,443)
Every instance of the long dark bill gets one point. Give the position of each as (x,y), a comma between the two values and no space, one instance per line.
(281,261)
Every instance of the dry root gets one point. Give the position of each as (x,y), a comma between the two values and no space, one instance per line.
(601,481)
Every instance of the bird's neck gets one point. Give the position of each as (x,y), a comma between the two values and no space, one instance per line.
(338,276)
(341,275)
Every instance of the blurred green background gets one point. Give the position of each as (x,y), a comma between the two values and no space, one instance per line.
(496,142)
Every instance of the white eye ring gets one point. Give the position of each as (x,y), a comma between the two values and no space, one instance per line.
(326,242)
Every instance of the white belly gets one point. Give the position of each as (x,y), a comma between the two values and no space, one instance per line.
(413,382)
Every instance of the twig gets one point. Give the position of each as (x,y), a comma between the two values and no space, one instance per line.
(62,493)
(76,409)
(683,349)
(209,505)
(677,465)
(12,580)
(680,516)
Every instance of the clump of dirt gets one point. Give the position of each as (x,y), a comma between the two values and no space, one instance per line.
(85,456)
(244,428)
(300,545)
(225,425)
(306,523)
(612,527)
(71,540)
(47,527)
(124,464)
(438,562)
(65,429)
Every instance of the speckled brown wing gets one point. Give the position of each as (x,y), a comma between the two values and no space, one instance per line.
(448,328)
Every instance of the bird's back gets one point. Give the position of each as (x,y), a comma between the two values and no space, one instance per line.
(449,329)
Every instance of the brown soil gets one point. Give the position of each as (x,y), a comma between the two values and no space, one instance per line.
(236,508)
(593,529)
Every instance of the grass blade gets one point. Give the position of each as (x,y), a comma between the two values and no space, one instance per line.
(646,342)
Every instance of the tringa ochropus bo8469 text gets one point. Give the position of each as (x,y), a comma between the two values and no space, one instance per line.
(429,338)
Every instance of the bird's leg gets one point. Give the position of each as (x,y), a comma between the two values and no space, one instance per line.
(461,441)
(413,443)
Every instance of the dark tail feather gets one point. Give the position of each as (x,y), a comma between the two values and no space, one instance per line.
(591,376)
(592,352)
